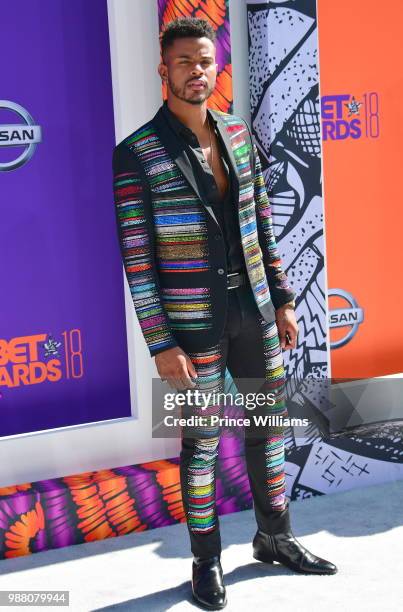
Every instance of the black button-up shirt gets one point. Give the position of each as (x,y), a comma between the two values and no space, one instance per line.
(224,209)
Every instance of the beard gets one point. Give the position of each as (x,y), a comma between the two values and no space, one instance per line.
(194,97)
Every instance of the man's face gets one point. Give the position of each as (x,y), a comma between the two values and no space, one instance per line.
(189,69)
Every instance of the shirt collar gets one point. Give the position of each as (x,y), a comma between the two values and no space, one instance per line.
(179,128)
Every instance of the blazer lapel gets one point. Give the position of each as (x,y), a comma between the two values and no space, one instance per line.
(226,141)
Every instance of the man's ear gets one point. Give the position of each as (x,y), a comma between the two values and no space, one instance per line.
(162,71)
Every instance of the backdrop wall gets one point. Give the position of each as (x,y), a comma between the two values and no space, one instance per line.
(289,116)
(100,445)
(136,95)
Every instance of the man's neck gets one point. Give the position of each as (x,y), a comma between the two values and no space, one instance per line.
(192,115)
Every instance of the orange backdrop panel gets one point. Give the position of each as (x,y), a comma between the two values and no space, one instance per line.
(360,51)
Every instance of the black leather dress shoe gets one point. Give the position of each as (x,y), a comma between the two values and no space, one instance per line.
(207,583)
(285,548)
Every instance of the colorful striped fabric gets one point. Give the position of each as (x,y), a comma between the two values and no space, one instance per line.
(256,219)
(139,264)
(200,510)
(274,446)
(198,470)
(198,458)
(242,150)
(188,303)
(164,230)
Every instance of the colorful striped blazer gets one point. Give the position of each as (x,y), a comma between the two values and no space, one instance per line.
(172,246)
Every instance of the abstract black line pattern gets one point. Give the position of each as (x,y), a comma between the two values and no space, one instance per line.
(285,107)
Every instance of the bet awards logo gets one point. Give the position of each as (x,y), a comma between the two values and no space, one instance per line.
(346,116)
(39,358)
(26,135)
(348,317)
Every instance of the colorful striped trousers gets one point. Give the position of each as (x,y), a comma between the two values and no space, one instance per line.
(251,351)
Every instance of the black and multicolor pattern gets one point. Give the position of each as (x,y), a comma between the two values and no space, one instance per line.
(274,446)
(260,247)
(139,264)
(180,225)
(188,303)
(200,447)
(198,467)
(166,231)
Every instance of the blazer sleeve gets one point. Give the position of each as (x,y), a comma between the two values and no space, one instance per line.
(280,290)
(136,239)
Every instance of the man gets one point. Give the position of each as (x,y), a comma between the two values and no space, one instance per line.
(202,263)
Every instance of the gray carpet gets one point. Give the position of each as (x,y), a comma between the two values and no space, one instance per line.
(361,531)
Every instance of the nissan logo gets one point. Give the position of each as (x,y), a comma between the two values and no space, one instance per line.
(26,134)
(352,316)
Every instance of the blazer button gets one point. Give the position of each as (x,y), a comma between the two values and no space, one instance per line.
(221,271)
(217,236)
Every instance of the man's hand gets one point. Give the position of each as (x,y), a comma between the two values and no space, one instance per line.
(176,367)
(287,327)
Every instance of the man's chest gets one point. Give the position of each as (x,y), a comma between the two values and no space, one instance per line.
(212,169)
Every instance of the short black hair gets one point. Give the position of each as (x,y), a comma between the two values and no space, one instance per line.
(185,27)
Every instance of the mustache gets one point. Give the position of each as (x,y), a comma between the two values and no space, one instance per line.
(196,81)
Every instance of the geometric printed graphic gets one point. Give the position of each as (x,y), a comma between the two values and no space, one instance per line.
(286,116)
(284,93)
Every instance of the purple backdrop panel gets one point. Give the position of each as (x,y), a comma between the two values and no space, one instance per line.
(63,342)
